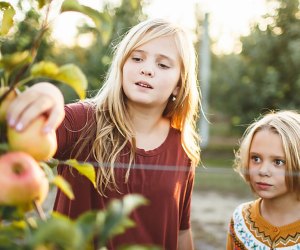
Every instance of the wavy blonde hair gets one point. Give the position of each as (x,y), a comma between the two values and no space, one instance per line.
(286,124)
(114,129)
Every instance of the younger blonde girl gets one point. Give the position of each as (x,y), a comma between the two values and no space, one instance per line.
(269,160)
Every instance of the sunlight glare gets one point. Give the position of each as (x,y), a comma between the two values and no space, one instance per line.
(228,19)
(64,27)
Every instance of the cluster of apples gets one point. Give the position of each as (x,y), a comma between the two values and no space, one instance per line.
(22,180)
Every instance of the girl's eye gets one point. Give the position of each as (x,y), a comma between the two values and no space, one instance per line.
(279,162)
(136,59)
(255,159)
(163,66)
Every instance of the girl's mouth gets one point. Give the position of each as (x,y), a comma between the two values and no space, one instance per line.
(144,85)
(263,185)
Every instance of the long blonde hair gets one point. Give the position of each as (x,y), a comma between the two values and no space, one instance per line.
(286,124)
(114,128)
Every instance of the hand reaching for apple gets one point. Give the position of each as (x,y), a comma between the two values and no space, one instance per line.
(41,98)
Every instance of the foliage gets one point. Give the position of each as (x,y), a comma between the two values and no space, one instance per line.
(265,75)
(20,61)
(112,22)
(22,64)
(20,230)
(107,27)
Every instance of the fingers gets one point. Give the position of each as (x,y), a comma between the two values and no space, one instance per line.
(55,118)
(26,108)
(18,106)
(40,99)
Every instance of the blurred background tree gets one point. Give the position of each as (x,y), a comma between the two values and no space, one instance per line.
(27,31)
(107,28)
(95,59)
(265,75)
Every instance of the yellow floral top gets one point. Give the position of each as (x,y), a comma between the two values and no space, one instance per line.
(249,230)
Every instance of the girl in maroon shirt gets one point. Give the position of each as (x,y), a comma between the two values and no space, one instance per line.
(140,129)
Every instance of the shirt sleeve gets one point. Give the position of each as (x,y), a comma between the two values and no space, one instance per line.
(186,212)
(76,117)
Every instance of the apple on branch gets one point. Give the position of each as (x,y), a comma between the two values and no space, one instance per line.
(32,140)
(22,180)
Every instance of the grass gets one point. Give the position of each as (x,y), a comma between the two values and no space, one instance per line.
(222,180)
(216,172)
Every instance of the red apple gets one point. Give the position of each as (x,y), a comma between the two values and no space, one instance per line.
(33,140)
(5,103)
(21,179)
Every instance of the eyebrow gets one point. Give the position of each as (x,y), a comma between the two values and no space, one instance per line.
(159,55)
(273,156)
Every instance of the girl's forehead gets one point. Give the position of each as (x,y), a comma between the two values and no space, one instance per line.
(267,142)
(162,46)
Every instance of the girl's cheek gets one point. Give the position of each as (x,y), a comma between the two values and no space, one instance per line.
(252,171)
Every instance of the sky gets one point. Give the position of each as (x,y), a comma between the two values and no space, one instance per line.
(228,19)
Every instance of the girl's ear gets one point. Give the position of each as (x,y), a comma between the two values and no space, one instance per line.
(176,91)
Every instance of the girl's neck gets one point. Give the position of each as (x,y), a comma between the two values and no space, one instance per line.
(280,212)
(145,120)
(150,127)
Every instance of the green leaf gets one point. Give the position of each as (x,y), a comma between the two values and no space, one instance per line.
(64,186)
(87,223)
(11,213)
(11,61)
(42,3)
(85,169)
(133,201)
(48,171)
(12,235)
(7,19)
(4,147)
(52,163)
(58,231)
(73,5)
(44,69)
(70,74)
(134,4)
(117,216)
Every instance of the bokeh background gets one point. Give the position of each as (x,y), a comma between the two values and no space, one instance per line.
(249,61)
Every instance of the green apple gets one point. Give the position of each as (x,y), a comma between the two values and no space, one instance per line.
(32,140)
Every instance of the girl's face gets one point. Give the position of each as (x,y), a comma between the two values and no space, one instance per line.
(151,73)
(267,165)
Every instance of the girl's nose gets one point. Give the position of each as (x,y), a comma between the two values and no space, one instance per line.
(147,72)
(264,169)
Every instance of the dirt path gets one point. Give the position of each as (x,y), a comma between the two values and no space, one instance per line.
(211,212)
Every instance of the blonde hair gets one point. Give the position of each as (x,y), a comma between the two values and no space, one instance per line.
(114,129)
(287,125)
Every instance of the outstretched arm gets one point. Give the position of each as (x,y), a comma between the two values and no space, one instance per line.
(185,241)
(41,98)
